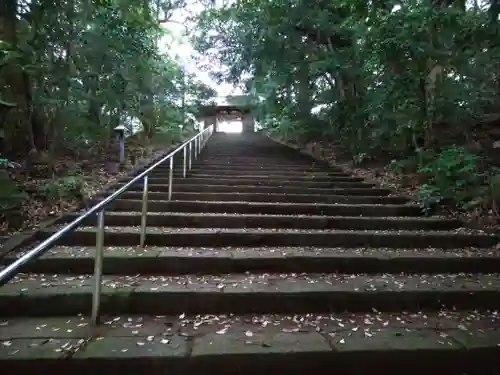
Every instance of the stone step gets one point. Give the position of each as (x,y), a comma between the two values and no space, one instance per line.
(217,237)
(276,158)
(281,208)
(245,171)
(252,152)
(415,300)
(268,191)
(262,177)
(268,197)
(77,260)
(235,162)
(257,173)
(264,160)
(311,167)
(59,294)
(232,166)
(287,189)
(254,172)
(333,182)
(210,220)
(463,342)
(271,164)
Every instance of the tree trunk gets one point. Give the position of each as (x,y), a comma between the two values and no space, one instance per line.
(304,93)
(17,128)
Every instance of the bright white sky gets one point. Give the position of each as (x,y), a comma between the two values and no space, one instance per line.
(179,47)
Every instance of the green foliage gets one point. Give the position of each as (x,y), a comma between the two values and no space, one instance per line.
(10,196)
(78,68)
(395,80)
(453,174)
(62,188)
(172,134)
(73,70)
(413,162)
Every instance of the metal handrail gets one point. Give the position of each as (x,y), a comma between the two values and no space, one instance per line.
(191,149)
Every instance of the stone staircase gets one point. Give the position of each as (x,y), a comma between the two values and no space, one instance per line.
(265,260)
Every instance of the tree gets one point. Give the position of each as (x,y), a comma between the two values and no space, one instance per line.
(411,81)
(72,70)
(89,63)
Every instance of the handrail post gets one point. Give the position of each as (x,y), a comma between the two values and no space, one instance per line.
(190,157)
(10,271)
(170,178)
(144,213)
(98,263)
(184,162)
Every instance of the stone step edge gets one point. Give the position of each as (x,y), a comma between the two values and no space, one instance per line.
(259,174)
(239,169)
(134,297)
(346,194)
(271,198)
(287,249)
(257,283)
(228,180)
(460,232)
(252,166)
(363,348)
(162,188)
(223,237)
(367,187)
(289,204)
(238,207)
(162,219)
(241,174)
(260,171)
(260,177)
(278,217)
(236,194)
(203,261)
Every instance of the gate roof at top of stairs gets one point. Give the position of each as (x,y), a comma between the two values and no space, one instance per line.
(224,110)
(216,113)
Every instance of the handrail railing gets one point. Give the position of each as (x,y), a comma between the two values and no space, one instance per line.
(191,150)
